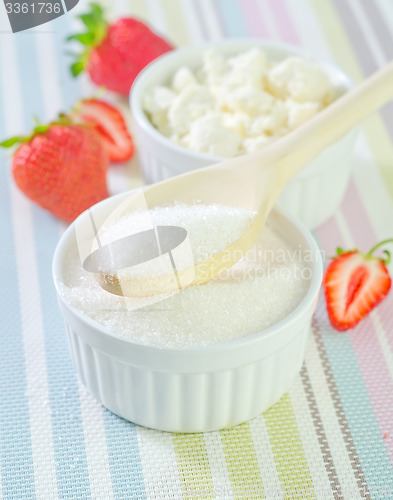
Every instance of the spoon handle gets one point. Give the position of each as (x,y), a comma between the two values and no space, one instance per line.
(299,147)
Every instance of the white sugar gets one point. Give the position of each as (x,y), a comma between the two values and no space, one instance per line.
(260,290)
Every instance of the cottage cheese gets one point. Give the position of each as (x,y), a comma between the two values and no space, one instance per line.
(236,105)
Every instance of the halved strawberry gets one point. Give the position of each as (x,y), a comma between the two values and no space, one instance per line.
(111,126)
(354,283)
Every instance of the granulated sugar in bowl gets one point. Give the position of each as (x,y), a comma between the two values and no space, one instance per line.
(208,356)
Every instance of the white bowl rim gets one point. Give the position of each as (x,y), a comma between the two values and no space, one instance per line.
(135,91)
(304,305)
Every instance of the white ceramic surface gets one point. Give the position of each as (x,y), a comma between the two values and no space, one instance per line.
(199,388)
(312,195)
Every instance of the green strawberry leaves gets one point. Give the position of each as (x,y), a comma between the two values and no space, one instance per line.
(94,17)
(77,68)
(85,38)
(96,29)
(9,143)
(369,255)
(39,128)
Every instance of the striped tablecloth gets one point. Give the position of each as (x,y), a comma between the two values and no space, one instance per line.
(331,436)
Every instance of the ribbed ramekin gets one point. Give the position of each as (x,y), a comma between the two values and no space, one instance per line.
(192,389)
(312,195)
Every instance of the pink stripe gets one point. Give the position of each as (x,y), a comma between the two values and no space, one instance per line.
(252,15)
(285,26)
(368,350)
(332,240)
(376,376)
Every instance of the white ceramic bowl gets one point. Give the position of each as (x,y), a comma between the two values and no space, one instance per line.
(312,195)
(198,388)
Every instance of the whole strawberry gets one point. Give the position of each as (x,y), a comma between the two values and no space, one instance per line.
(115,53)
(61,167)
(355,283)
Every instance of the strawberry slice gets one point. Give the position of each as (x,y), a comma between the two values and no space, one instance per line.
(354,283)
(111,126)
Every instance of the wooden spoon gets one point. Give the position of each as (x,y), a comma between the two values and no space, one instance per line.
(253,182)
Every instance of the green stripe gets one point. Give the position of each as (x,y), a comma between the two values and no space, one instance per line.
(374,128)
(193,465)
(291,463)
(242,462)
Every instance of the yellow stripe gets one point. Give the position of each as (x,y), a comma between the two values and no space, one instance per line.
(242,462)
(374,127)
(288,451)
(193,465)
(177,25)
(139,9)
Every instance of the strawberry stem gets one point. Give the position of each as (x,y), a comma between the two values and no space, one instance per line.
(386,252)
(39,128)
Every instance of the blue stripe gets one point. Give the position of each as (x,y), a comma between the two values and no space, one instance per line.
(68,438)
(358,410)
(16,460)
(232,18)
(124,459)
(123,450)
(15,439)
(70,87)
(67,427)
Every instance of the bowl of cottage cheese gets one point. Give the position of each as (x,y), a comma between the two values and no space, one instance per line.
(202,104)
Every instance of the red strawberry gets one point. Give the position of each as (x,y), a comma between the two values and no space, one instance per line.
(111,126)
(354,284)
(61,167)
(115,53)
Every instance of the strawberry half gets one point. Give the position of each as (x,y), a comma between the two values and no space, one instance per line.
(115,53)
(110,124)
(354,283)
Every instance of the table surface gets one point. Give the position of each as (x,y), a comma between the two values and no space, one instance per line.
(331,436)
